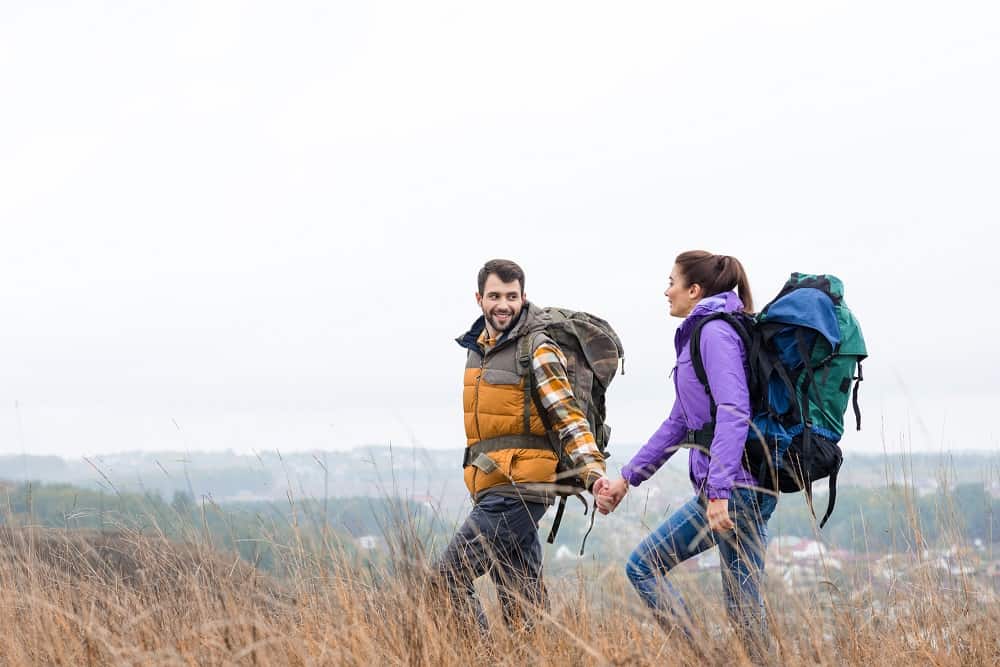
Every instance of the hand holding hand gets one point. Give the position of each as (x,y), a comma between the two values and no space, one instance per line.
(718,515)
(610,494)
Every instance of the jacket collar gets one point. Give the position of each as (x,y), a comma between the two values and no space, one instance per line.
(469,339)
(726,302)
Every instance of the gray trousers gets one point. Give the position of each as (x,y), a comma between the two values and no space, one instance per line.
(499,537)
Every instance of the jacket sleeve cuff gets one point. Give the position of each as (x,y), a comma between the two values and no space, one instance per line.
(592,476)
(716,493)
(630,476)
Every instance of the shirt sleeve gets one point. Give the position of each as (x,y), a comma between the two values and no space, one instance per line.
(563,413)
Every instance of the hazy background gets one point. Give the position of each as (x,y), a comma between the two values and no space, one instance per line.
(255,226)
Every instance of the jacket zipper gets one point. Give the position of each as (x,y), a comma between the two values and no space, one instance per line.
(475,403)
(475,416)
(677,394)
(475,395)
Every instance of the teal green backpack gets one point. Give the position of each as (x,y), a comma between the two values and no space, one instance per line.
(804,353)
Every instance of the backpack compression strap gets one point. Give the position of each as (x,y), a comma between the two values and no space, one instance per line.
(808,446)
(805,353)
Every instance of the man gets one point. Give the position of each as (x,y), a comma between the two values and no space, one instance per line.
(510,464)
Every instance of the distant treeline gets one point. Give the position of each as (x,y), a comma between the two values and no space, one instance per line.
(410,472)
(892,518)
(258,531)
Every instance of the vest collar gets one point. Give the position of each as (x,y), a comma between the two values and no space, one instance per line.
(469,339)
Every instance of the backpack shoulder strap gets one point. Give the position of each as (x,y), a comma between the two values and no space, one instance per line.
(695,343)
(526,347)
(529,342)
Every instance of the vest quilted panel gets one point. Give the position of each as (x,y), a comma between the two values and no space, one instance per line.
(493,403)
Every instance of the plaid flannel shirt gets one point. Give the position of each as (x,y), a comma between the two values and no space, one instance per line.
(564,415)
(561,409)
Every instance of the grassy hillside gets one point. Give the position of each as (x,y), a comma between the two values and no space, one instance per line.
(136,596)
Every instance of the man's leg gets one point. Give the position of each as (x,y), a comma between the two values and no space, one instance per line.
(464,560)
(517,571)
(684,534)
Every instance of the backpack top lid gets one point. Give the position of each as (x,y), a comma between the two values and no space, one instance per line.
(816,301)
(592,336)
(807,307)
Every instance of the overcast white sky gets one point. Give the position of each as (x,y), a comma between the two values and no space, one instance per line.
(261,222)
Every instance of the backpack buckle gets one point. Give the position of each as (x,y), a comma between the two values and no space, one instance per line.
(524,352)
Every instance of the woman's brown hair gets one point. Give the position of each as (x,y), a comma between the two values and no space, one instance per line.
(715,274)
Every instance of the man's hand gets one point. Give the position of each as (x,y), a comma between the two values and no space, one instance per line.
(718,515)
(609,494)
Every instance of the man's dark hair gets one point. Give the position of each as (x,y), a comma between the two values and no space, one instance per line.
(505,270)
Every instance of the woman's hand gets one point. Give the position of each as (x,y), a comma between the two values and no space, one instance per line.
(718,515)
(610,495)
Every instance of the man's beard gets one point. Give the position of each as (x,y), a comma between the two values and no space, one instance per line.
(501,327)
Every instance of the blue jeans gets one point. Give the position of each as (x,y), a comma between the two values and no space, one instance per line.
(685,534)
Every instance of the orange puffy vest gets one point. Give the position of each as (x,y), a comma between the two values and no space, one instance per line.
(500,415)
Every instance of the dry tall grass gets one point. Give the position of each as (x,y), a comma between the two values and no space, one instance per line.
(73,598)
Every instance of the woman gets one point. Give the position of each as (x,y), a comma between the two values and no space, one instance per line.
(726,511)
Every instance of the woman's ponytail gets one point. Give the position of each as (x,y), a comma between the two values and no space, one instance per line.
(742,284)
(716,274)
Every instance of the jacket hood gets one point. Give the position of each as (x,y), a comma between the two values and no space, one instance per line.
(726,302)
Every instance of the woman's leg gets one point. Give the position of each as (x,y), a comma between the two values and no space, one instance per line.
(684,534)
(741,553)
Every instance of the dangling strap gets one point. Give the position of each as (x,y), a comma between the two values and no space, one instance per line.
(833,497)
(593,514)
(857,385)
(807,489)
(557,520)
(559,515)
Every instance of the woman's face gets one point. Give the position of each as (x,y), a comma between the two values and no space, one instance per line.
(681,296)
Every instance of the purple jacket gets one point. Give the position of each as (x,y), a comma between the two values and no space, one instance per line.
(723,355)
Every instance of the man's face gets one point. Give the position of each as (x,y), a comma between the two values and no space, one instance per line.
(501,303)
